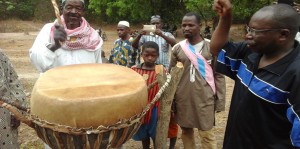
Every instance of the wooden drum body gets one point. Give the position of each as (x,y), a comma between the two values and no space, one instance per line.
(88,105)
(105,138)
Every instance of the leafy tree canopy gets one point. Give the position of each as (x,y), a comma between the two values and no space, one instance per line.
(136,11)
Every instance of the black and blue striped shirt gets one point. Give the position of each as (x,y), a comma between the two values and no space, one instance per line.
(265,106)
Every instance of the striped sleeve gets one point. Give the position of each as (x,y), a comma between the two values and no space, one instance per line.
(230,58)
(293,111)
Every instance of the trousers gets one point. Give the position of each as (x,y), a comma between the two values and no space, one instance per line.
(207,138)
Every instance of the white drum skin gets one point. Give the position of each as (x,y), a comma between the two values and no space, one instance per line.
(88,95)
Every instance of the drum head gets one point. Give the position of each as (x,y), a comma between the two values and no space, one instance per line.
(88,95)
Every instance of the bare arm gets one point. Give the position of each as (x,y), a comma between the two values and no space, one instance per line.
(173,59)
(221,33)
(170,40)
(135,42)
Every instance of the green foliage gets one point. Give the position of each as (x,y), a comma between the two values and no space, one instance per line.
(244,9)
(44,11)
(203,7)
(25,10)
(137,11)
(170,10)
(5,8)
(22,9)
(115,10)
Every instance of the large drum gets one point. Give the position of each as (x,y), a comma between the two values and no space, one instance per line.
(88,105)
(91,106)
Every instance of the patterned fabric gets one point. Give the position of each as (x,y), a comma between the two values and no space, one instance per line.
(44,59)
(10,90)
(163,47)
(122,53)
(82,37)
(151,75)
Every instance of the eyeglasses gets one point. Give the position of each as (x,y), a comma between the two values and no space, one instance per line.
(155,16)
(253,31)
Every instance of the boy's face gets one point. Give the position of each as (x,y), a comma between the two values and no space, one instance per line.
(122,31)
(149,55)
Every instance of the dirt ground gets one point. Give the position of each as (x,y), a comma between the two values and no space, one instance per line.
(16,37)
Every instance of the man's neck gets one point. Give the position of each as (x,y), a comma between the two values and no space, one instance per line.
(126,37)
(268,59)
(195,40)
(72,26)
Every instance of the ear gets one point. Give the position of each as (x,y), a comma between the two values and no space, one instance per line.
(285,34)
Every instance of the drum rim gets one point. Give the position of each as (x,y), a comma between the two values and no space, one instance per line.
(124,123)
(34,121)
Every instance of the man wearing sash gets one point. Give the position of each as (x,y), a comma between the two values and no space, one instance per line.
(195,98)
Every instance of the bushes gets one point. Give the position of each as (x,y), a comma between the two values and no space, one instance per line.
(23,9)
(137,11)
(6,8)
(44,11)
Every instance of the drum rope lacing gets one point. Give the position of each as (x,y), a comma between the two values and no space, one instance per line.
(158,95)
(32,120)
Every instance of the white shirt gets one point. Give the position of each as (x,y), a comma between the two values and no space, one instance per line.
(298,37)
(44,59)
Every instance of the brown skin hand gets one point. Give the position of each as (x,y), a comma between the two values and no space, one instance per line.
(158,23)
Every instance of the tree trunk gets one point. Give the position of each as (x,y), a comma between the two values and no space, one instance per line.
(165,106)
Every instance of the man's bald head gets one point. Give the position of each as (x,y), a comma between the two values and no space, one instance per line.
(281,16)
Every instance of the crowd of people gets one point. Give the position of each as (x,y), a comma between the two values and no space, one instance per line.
(265,106)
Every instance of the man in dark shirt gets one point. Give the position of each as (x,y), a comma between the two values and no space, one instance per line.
(265,106)
(296,7)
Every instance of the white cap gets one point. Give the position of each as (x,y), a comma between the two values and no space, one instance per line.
(124,23)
